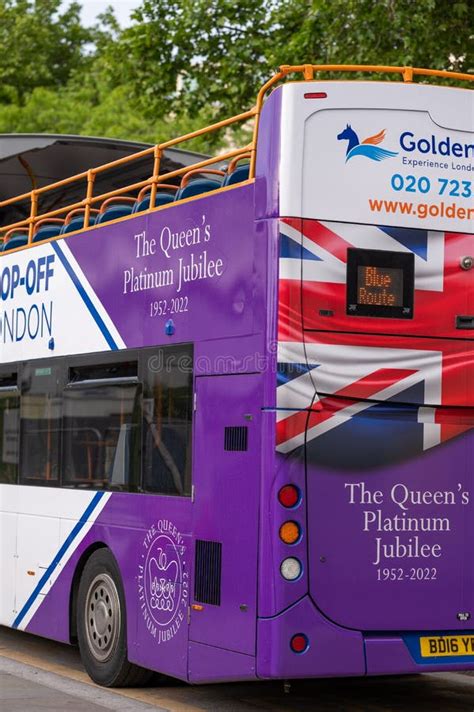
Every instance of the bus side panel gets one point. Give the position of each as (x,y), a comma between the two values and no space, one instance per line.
(8,534)
(227,483)
(156,530)
(49,527)
(208,663)
(208,281)
(190,265)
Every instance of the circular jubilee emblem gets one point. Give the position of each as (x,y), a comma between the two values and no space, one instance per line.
(163,580)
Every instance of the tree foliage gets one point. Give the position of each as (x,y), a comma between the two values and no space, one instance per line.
(195,53)
(41,46)
(184,63)
(186,55)
(424,33)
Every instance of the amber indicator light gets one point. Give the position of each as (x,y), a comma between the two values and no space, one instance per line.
(290,532)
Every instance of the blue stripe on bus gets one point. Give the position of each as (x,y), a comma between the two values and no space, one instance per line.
(77,528)
(85,297)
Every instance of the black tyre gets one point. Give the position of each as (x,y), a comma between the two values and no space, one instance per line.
(102,625)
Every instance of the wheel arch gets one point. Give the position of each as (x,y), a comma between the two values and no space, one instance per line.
(85,556)
(98,563)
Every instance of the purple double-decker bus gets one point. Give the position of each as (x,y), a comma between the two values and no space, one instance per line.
(236,395)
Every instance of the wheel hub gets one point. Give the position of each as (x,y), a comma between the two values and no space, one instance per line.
(103,617)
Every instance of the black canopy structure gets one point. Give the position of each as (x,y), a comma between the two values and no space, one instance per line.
(34,160)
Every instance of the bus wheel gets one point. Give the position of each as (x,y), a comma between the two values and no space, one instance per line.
(101,625)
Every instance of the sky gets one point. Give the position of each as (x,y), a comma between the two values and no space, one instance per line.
(92,8)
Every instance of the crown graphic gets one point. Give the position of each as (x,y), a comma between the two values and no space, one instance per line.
(163,578)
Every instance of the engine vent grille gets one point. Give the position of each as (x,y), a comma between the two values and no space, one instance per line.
(236,438)
(207,580)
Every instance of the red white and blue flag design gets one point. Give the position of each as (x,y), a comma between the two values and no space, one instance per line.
(335,369)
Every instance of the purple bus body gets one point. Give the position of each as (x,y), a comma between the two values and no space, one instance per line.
(232,332)
(355,626)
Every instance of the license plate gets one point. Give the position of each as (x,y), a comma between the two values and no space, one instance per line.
(447,646)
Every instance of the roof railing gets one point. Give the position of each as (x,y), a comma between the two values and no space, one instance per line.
(89,177)
(308,72)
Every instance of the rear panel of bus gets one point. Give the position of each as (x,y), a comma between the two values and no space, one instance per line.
(375,391)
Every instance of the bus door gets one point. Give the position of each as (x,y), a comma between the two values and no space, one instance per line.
(227,485)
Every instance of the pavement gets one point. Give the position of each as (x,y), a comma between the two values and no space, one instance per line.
(26,689)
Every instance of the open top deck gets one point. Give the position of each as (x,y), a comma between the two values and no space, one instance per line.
(162,186)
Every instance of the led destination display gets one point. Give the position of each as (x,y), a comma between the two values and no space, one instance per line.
(380,283)
(382,286)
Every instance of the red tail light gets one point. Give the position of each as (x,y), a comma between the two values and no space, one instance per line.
(289,496)
(299,643)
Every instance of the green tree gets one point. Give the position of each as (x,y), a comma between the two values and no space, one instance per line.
(183,64)
(55,79)
(111,113)
(41,46)
(186,55)
(426,33)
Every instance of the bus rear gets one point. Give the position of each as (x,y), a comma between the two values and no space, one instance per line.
(369,535)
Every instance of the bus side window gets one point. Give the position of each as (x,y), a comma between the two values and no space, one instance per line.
(40,424)
(9,428)
(101,425)
(167,420)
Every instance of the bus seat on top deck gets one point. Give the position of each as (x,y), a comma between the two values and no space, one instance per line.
(196,187)
(15,241)
(238,175)
(114,208)
(113,213)
(47,231)
(77,224)
(161,198)
(75,220)
(199,185)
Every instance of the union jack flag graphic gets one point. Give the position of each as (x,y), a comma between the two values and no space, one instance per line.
(344,376)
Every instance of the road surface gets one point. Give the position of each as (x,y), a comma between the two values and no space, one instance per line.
(39,675)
